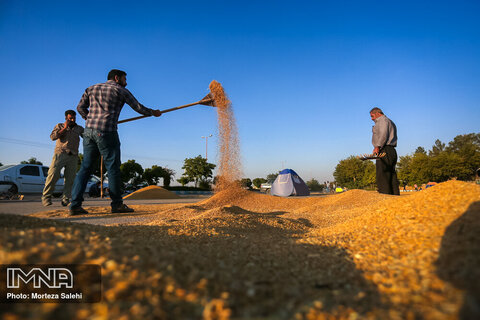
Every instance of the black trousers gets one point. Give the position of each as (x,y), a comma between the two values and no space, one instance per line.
(387,181)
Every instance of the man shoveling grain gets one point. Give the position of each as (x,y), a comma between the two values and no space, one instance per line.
(100,106)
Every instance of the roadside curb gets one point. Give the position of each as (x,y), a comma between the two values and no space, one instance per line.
(193,192)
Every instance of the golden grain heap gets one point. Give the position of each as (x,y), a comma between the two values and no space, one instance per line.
(229,167)
(244,255)
(151,192)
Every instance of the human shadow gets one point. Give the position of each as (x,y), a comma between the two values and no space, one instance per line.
(459,259)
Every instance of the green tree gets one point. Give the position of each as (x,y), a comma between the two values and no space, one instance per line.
(420,150)
(167,177)
(458,160)
(314,185)
(448,165)
(257,182)
(131,171)
(415,169)
(437,148)
(246,183)
(205,184)
(404,168)
(369,179)
(183,181)
(467,147)
(152,175)
(272,176)
(32,160)
(197,169)
(350,173)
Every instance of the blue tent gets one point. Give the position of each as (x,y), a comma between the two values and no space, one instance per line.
(289,183)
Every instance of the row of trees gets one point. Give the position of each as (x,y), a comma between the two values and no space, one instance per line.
(196,170)
(459,159)
(133,173)
(312,184)
(354,173)
(32,160)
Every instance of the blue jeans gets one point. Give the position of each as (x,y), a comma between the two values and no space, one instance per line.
(106,144)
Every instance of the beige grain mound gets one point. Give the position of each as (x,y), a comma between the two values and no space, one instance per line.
(150,193)
(421,252)
(242,255)
(319,211)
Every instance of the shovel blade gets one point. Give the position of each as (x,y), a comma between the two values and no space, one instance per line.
(208,101)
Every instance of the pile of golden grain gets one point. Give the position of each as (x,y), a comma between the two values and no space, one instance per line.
(151,192)
(356,255)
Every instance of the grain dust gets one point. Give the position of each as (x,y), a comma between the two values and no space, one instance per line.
(230,166)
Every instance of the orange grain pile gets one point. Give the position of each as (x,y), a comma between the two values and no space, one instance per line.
(151,192)
(244,255)
(415,256)
(230,167)
(320,211)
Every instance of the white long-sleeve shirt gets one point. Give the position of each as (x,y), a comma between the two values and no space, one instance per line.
(384,133)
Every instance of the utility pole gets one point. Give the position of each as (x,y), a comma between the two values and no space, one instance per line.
(206,145)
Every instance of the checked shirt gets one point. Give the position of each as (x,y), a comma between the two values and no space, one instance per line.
(101,104)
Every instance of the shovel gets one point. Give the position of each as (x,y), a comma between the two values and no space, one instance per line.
(208,100)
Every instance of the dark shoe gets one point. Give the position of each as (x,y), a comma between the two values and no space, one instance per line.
(65,202)
(77,211)
(122,209)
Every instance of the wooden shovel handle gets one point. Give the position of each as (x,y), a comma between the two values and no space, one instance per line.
(169,110)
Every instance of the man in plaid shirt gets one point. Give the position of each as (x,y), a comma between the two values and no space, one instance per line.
(100,106)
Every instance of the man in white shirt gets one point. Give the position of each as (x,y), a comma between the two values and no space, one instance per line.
(384,139)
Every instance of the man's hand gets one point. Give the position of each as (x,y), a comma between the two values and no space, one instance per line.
(65,127)
(156,113)
(376,150)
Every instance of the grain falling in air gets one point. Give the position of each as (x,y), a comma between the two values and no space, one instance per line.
(229,167)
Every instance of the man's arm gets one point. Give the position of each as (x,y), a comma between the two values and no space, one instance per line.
(58,131)
(137,106)
(83,105)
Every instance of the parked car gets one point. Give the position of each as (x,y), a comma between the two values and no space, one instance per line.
(267,186)
(30,178)
(26,178)
(93,186)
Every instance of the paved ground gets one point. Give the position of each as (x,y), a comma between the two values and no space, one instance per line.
(33,204)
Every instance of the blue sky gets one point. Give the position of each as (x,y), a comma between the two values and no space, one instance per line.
(302,75)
